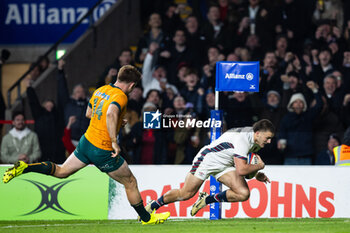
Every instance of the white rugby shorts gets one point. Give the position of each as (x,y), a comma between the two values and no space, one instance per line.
(208,163)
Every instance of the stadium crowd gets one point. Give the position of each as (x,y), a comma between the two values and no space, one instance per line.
(304,53)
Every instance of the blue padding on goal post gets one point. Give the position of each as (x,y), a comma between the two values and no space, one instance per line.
(237,76)
(215,186)
(230,76)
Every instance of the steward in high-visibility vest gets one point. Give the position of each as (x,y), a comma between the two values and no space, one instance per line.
(342,152)
(342,155)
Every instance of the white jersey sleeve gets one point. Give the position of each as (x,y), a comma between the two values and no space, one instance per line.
(240,140)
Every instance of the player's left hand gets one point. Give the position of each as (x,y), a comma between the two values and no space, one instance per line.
(262,177)
(116,149)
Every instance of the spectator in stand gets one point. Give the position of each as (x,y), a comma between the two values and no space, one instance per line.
(281,48)
(292,19)
(136,99)
(66,139)
(171,19)
(177,53)
(110,74)
(239,110)
(168,99)
(39,69)
(194,38)
(333,95)
(321,65)
(255,21)
(328,35)
(155,34)
(244,54)
(179,104)
(292,83)
(44,63)
(329,120)
(326,157)
(273,111)
(74,105)
(270,74)
(331,10)
(254,47)
(232,57)
(296,137)
(20,143)
(182,70)
(154,97)
(214,30)
(229,13)
(209,69)
(154,78)
(209,104)
(193,93)
(48,126)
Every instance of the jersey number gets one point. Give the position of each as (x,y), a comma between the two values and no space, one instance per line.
(98,110)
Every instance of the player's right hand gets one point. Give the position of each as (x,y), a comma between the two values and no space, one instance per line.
(260,162)
(116,149)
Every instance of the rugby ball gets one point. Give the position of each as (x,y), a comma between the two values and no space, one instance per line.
(251,159)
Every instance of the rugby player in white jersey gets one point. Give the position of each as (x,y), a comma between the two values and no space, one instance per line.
(226,160)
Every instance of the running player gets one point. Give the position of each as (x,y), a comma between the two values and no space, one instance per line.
(226,160)
(99,146)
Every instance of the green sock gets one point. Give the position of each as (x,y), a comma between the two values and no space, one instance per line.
(47,168)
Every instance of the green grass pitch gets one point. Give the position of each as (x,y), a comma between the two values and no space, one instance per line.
(308,225)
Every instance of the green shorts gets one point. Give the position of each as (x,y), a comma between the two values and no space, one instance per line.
(88,153)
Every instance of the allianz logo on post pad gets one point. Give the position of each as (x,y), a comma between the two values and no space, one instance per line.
(248,76)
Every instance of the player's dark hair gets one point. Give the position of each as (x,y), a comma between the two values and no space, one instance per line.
(15,114)
(129,74)
(264,125)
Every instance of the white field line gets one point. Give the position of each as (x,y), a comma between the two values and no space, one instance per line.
(115,223)
(54,225)
(76,224)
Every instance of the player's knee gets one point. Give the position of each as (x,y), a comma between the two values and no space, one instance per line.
(244,194)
